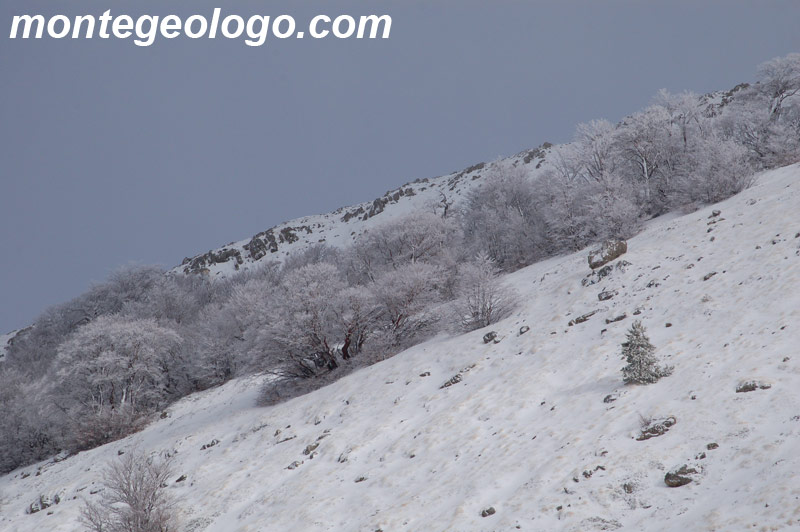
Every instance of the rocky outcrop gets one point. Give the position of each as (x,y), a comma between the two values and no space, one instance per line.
(261,244)
(201,263)
(257,248)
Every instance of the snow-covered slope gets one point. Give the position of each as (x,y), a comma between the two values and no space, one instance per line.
(340,228)
(540,426)
(5,339)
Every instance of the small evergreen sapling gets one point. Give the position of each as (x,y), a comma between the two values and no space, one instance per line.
(642,365)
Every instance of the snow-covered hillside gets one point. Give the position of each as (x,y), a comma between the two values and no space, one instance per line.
(343,226)
(340,228)
(4,342)
(540,427)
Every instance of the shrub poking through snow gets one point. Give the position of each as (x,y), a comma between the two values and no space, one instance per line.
(642,365)
(483,299)
(134,498)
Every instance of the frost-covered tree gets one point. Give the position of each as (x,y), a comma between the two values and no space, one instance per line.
(505,219)
(596,151)
(642,366)
(423,237)
(683,112)
(29,429)
(356,311)
(34,351)
(611,209)
(404,297)
(297,322)
(647,155)
(718,169)
(482,298)
(111,372)
(134,498)
(779,81)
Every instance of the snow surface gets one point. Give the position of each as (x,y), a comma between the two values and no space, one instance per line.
(528,418)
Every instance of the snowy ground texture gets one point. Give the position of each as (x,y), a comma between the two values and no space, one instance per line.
(527,422)
(4,340)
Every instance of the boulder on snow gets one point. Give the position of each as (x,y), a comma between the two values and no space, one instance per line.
(488,511)
(310,448)
(608,251)
(582,318)
(751,386)
(679,477)
(605,295)
(656,428)
(489,337)
(616,318)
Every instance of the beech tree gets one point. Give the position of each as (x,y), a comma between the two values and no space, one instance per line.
(645,149)
(504,218)
(421,237)
(779,81)
(403,297)
(111,373)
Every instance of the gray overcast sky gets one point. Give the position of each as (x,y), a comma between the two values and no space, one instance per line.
(111,153)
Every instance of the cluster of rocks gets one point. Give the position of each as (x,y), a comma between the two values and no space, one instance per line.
(656,428)
(44,502)
(455,379)
(751,386)
(378,205)
(257,248)
(209,445)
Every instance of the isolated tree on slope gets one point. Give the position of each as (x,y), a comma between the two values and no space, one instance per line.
(134,498)
(642,365)
(483,299)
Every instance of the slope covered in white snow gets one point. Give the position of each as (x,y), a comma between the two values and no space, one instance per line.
(530,429)
(4,342)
